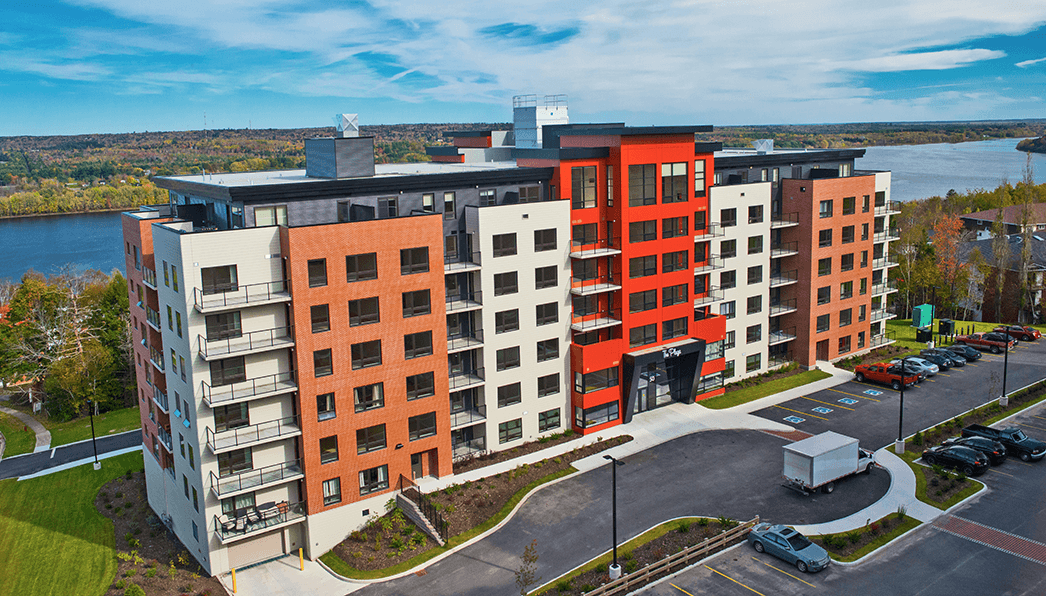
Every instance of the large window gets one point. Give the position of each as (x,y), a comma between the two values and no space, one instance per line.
(506,320)
(728,249)
(421,385)
(674,227)
(507,358)
(363,311)
(755,245)
(595,380)
(849,205)
(548,385)
(509,395)
(824,238)
(321,318)
(675,261)
(641,336)
(642,183)
(823,323)
(585,305)
(488,197)
(374,479)
(416,345)
(848,234)
(270,216)
(824,295)
(414,260)
(215,279)
(331,491)
(329,449)
(826,209)
(699,178)
(673,183)
(642,266)
(755,213)
(366,354)
(595,416)
(754,334)
(368,397)
(673,295)
(504,245)
(584,269)
(583,234)
(727,280)
(728,217)
(547,313)
(548,349)
(753,362)
(325,406)
(548,420)
(529,194)
(370,439)
(223,326)
(361,267)
(506,283)
(824,266)
(449,211)
(230,417)
(642,231)
(583,187)
(544,240)
(846,290)
(387,207)
(673,328)
(317,273)
(755,274)
(241,460)
(641,301)
(846,317)
(546,277)
(728,309)
(844,344)
(228,371)
(510,431)
(422,425)
(730,340)
(322,363)
(846,263)
(755,305)
(416,303)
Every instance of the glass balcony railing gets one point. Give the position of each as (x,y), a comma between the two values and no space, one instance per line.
(223,486)
(153,318)
(156,357)
(784,220)
(235,296)
(597,247)
(595,320)
(256,433)
(464,379)
(248,389)
(468,417)
(460,301)
(149,277)
(254,341)
(253,520)
(160,399)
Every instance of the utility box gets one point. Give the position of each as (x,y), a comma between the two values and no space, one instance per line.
(923,334)
(946,327)
(922,315)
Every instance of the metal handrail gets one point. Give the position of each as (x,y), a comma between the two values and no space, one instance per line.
(237,481)
(465,300)
(712,230)
(883,262)
(474,334)
(878,314)
(779,307)
(780,278)
(779,359)
(887,207)
(255,340)
(881,339)
(153,318)
(594,319)
(149,277)
(464,450)
(161,400)
(711,294)
(241,294)
(165,438)
(883,288)
(470,416)
(462,258)
(613,279)
(783,247)
(271,429)
(889,234)
(466,378)
(248,388)
(712,263)
(284,512)
(781,336)
(778,220)
(411,492)
(156,357)
(581,247)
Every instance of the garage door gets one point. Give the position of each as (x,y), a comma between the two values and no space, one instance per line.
(256,549)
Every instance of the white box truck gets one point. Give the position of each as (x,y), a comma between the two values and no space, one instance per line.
(819,461)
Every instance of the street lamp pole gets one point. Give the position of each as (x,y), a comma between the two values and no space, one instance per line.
(1003,399)
(90,412)
(898,447)
(615,569)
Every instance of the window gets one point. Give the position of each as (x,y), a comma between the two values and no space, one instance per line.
(545,277)
(728,249)
(421,426)
(755,304)
(824,295)
(504,245)
(753,334)
(228,371)
(844,344)
(548,349)
(673,329)
(234,462)
(596,415)
(510,431)
(848,234)
(547,314)
(428,202)
(387,207)
(755,275)
(366,354)
(699,178)
(448,205)
(584,234)
(192,458)
(824,238)
(170,318)
(368,397)
(361,267)
(673,295)
(174,279)
(755,212)
(860,336)
(270,216)
(701,284)
(416,303)
(674,227)
(641,185)
(753,362)
(864,231)
(509,395)
(317,273)
(675,261)
(845,317)
(230,417)
(728,309)
(321,320)
(730,340)
(728,217)
(862,314)
(728,371)
(849,205)
(506,283)
(167,274)
(824,266)
(332,491)
(508,358)
(700,252)
(374,479)
(325,406)
(673,183)
(642,266)
(329,449)
(544,240)
(846,290)
(583,187)
(585,305)
(864,286)
(610,186)
(864,258)
(823,323)
(506,320)
(531,194)
(846,262)
(727,280)
(178,322)
(864,204)
(826,209)
(548,420)
(641,336)
(215,280)
(370,439)
(322,363)
(416,345)
(421,385)
(755,245)
(548,385)
(642,231)
(363,311)
(595,380)
(414,260)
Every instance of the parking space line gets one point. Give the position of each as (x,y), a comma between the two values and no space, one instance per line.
(1003,473)
(784,572)
(944,375)
(971,364)
(826,403)
(1031,426)
(798,412)
(680,589)
(882,387)
(1039,417)
(853,394)
(931,380)
(734,580)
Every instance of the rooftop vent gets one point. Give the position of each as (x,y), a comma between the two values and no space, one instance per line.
(348,125)
(763,146)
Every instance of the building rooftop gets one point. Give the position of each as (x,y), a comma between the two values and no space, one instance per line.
(1011,215)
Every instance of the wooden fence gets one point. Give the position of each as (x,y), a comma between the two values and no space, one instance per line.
(673,563)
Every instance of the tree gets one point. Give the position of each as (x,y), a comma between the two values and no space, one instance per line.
(1000,257)
(526,575)
(948,237)
(1025,296)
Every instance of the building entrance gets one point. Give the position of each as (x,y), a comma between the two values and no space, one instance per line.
(656,377)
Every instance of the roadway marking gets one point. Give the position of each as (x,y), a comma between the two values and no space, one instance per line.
(853,394)
(1039,417)
(52,452)
(784,572)
(1031,426)
(875,392)
(734,580)
(823,410)
(944,375)
(971,364)
(1003,473)
(798,412)
(794,419)
(848,401)
(1029,550)
(680,589)
(825,403)
(931,380)
(868,385)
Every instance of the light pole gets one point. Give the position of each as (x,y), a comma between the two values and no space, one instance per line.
(615,569)
(90,412)
(898,447)
(1003,399)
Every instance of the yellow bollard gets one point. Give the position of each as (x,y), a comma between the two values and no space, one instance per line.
(233,581)
(301,558)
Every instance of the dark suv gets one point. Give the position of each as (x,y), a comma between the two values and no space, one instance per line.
(953,358)
(970,354)
(995,450)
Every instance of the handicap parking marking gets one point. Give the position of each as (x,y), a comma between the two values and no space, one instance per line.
(822,410)
(848,401)
(872,392)
(794,419)
(798,412)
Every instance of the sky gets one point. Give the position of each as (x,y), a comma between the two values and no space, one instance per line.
(92,66)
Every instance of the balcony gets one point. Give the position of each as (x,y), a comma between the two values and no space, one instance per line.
(602,247)
(238,296)
(784,220)
(885,235)
(160,399)
(248,480)
(712,263)
(466,449)
(255,434)
(782,307)
(156,357)
(883,288)
(246,343)
(153,318)
(786,278)
(781,336)
(464,301)
(461,262)
(880,314)
(249,389)
(597,285)
(149,277)
(461,380)
(887,207)
(884,339)
(712,230)
(253,520)
(165,439)
(464,341)
(882,263)
(775,360)
(710,295)
(595,320)
(468,417)
(783,249)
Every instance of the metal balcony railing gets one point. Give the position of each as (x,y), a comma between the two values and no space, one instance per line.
(782,307)
(165,438)
(149,277)
(252,520)
(884,235)
(781,335)
(712,263)
(596,320)
(254,341)
(464,301)
(602,283)
(256,433)
(783,249)
(160,399)
(710,295)
(775,360)
(879,314)
(153,318)
(235,295)
(711,230)
(248,389)
(883,262)
(466,449)
(223,486)
(883,288)
(468,417)
(881,339)
(156,357)
(460,380)
(590,248)
(462,261)
(465,341)
(784,220)
(780,278)
(887,207)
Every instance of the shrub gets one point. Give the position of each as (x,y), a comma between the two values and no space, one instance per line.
(918,438)
(151,572)
(120,584)
(631,566)
(853,536)
(587,588)
(683,527)
(726,522)
(130,572)
(961,477)
(702,522)
(563,585)
(901,512)
(119,495)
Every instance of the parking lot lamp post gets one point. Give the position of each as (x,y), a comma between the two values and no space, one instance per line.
(615,569)
(94,443)
(1003,399)
(898,447)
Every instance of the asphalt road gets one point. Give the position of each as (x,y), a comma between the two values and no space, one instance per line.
(23,465)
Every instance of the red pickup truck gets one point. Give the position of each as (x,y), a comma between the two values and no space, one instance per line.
(1019,332)
(888,374)
(994,342)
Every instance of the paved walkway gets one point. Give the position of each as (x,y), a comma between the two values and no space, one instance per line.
(43,436)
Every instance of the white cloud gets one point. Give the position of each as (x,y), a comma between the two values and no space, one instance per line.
(1027,63)
(942,60)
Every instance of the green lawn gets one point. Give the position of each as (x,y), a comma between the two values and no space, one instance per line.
(743,396)
(19,441)
(52,540)
(63,433)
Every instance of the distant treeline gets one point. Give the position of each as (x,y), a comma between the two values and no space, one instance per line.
(1033,145)
(54,198)
(838,136)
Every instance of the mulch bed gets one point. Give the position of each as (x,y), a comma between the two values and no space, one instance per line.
(941,487)
(846,544)
(682,536)
(493,457)
(782,373)
(391,539)
(148,554)
(883,354)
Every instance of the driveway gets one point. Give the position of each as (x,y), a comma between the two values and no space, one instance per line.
(31,463)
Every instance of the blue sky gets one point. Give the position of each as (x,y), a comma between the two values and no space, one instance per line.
(82,66)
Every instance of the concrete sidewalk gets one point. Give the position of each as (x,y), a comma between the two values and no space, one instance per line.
(43,436)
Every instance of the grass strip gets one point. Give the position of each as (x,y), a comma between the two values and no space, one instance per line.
(53,539)
(743,396)
(116,421)
(342,568)
(907,524)
(18,439)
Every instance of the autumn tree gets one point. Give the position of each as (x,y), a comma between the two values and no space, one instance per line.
(1025,295)
(948,237)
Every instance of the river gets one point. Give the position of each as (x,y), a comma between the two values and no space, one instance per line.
(95,241)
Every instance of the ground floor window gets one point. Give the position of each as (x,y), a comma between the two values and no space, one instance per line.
(548,420)
(374,479)
(753,362)
(332,491)
(510,431)
(596,415)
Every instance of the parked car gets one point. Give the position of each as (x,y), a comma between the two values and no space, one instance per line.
(995,450)
(968,461)
(943,362)
(1016,442)
(956,359)
(924,367)
(1020,332)
(994,342)
(788,545)
(885,373)
(970,354)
